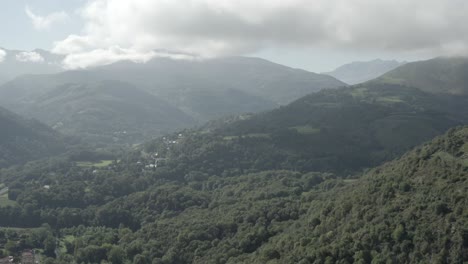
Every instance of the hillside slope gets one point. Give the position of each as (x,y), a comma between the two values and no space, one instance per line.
(341,131)
(439,75)
(22,140)
(104,111)
(411,210)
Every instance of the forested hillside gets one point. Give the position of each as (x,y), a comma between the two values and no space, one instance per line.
(409,210)
(340,131)
(22,140)
(439,75)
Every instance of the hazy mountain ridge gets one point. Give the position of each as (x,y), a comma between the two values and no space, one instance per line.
(204,89)
(106,110)
(439,75)
(362,71)
(22,139)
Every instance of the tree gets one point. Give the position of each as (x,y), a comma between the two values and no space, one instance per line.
(140,259)
(49,246)
(116,255)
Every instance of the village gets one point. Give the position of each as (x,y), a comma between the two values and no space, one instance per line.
(155,159)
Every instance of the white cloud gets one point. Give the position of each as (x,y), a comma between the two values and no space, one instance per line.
(227,27)
(29,56)
(2,55)
(45,22)
(113,54)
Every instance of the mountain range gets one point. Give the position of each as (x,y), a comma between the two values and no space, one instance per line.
(370,173)
(340,130)
(201,90)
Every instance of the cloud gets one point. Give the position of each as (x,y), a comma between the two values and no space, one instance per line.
(98,57)
(29,56)
(210,28)
(2,55)
(45,22)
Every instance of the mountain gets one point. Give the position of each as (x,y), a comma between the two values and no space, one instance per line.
(22,140)
(411,210)
(309,182)
(270,81)
(338,130)
(203,90)
(362,71)
(15,63)
(439,75)
(341,131)
(170,78)
(104,110)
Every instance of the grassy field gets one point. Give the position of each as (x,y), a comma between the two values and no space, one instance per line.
(390,99)
(102,163)
(4,201)
(252,135)
(306,130)
(359,92)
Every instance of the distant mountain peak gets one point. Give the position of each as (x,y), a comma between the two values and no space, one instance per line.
(439,75)
(362,71)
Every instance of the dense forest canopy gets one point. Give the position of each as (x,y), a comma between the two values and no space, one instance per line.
(128,211)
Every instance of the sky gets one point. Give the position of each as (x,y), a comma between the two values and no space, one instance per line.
(316,35)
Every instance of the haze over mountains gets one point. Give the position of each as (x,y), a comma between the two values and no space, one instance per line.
(362,71)
(23,140)
(14,63)
(198,90)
